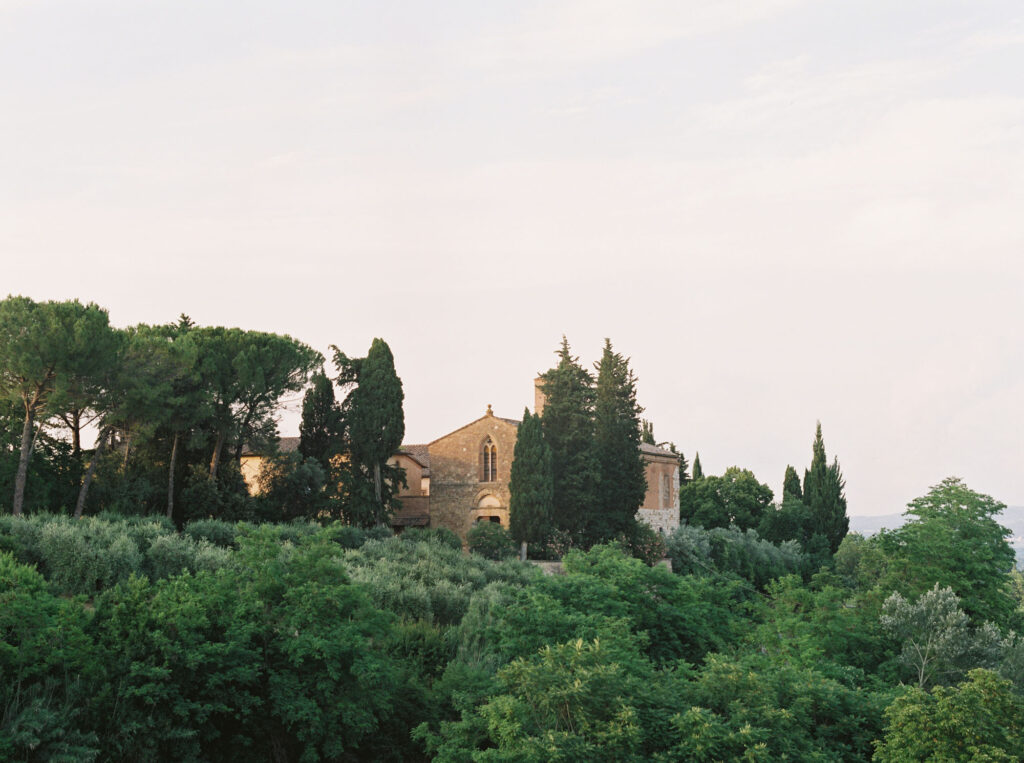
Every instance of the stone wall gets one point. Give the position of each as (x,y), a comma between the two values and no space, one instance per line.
(456,489)
(662,520)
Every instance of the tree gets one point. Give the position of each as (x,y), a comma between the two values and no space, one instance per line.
(81,392)
(979,720)
(684,466)
(568,424)
(698,472)
(735,498)
(647,432)
(790,520)
(933,632)
(952,539)
(247,373)
(530,484)
(622,483)
(321,430)
(41,345)
(791,485)
(374,428)
(824,496)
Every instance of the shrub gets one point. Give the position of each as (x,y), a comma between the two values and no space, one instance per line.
(643,542)
(439,535)
(696,551)
(86,556)
(491,541)
(427,580)
(689,548)
(216,531)
(347,536)
(171,555)
(555,546)
(20,536)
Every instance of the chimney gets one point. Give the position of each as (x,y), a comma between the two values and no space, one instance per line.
(539,398)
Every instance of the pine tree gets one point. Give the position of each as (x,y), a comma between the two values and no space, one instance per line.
(698,473)
(530,484)
(791,484)
(567,421)
(320,432)
(374,428)
(824,496)
(622,483)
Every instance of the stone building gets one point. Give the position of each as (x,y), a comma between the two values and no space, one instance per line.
(463,477)
(468,472)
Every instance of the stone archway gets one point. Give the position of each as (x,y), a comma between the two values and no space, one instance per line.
(489,509)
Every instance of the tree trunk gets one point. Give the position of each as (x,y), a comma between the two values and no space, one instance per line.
(240,446)
(170,478)
(127,450)
(215,459)
(101,445)
(76,434)
(27,441)
(522,551)
(376,482)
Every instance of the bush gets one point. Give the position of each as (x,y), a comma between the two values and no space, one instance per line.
(491,541)
(643,543)
(442,536)
(87,556)
(216,531)
(555,546)
(20,536)
(427,580)
(347,536)
(696,551)
(171,555)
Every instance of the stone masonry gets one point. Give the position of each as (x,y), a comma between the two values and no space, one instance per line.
(459,493)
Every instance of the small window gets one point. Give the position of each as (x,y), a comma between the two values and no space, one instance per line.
(488,461)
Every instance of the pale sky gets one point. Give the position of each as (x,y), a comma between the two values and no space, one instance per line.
(782,211)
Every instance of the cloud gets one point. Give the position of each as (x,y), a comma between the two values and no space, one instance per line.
(585,31)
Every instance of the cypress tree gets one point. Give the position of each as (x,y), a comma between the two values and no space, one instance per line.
(698,473)
(530,483)
(647,432)
(791,484)
(684,465)
(824,496)
(320,432)
(374,428)
(567,422)
(622,483)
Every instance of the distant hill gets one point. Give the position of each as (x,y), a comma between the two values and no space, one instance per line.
(1012,518)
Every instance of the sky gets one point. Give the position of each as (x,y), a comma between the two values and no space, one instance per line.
(782,211)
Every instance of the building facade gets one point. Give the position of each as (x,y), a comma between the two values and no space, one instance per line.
(462,478)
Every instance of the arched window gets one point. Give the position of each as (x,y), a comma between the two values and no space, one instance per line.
(488,461)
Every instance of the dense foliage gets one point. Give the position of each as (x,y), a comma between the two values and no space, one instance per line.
(124,638)
(152,609)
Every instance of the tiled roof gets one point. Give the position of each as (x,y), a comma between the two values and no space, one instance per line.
(287,444)
(654,450)
(417,452)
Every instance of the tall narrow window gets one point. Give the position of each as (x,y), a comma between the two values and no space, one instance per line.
(488,461)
